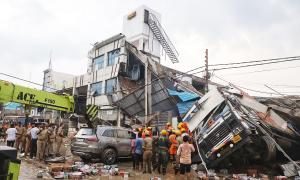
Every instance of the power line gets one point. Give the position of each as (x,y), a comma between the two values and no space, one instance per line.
(264,70)
(15,77)
(254,90)
(244,62)
(250,65)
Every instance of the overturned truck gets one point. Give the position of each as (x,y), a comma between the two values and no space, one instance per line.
(230,127)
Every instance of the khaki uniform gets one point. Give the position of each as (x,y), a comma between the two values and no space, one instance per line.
(147,156)
(20,131)
(23,139)
(59,139)
(49,149)
(41,141)
(28,142)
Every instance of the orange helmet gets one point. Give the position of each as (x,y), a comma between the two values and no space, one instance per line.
(149,128)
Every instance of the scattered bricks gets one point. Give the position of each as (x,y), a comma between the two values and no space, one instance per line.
(75,175)
(263,177)
(252,172)
(280,178)
(56,167)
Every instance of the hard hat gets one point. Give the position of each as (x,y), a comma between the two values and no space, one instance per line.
(182,130)
(177,132)
(149,128)
(173,131)
(168,124)
(179,125)
(163,132)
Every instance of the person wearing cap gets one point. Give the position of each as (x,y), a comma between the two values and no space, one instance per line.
(163,151)
(147,156)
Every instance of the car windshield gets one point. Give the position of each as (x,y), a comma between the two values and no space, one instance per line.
(85,131)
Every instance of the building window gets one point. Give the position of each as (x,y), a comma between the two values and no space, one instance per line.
(96,89)
(98,63)
(113,57)
(110,86)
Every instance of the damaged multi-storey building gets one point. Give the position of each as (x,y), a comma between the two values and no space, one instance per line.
(125,79)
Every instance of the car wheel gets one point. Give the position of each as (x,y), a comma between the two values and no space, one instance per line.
(109,156)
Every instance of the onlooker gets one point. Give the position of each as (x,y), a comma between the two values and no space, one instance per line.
(11,135)
(33,134)
(184,152)
(133,140)
(138,153)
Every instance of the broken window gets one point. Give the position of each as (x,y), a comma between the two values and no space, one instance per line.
(98,63)
(113,57)
(110,86)
(96,89)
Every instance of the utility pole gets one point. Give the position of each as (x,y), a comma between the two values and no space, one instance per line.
(146,93)
(206,71)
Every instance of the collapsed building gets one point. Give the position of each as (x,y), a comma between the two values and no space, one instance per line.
(126,80)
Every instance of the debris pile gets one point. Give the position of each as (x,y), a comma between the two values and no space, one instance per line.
(79,170)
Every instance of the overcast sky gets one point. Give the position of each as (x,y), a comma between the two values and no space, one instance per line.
(231,30)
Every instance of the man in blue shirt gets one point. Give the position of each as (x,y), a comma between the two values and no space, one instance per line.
(138,152)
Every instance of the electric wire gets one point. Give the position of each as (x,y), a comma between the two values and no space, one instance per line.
(250,65)
(15,77)
(245,62)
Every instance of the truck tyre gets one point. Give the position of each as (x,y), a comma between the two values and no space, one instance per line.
(269,153)
(109,156)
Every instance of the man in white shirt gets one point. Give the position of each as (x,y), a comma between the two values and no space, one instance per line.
(11,135)
(33,134)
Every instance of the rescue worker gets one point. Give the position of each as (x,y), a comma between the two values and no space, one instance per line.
(163,148)
(174,145)
(154,152)
(28,140)
(49,149)
(59,138)
(179,141)
(147,155)
(41,141)
(19,134)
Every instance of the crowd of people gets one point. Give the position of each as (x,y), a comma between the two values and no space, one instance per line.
(36,140)
(151,153)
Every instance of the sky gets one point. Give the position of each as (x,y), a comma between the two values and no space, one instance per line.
(33,30)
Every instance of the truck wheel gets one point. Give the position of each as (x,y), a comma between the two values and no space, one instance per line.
(269,152)
(109,156)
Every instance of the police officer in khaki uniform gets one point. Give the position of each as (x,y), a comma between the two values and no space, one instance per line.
(23,138)
(59,138)
(28,140)
(41,140)
(19,134)
(49,149)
